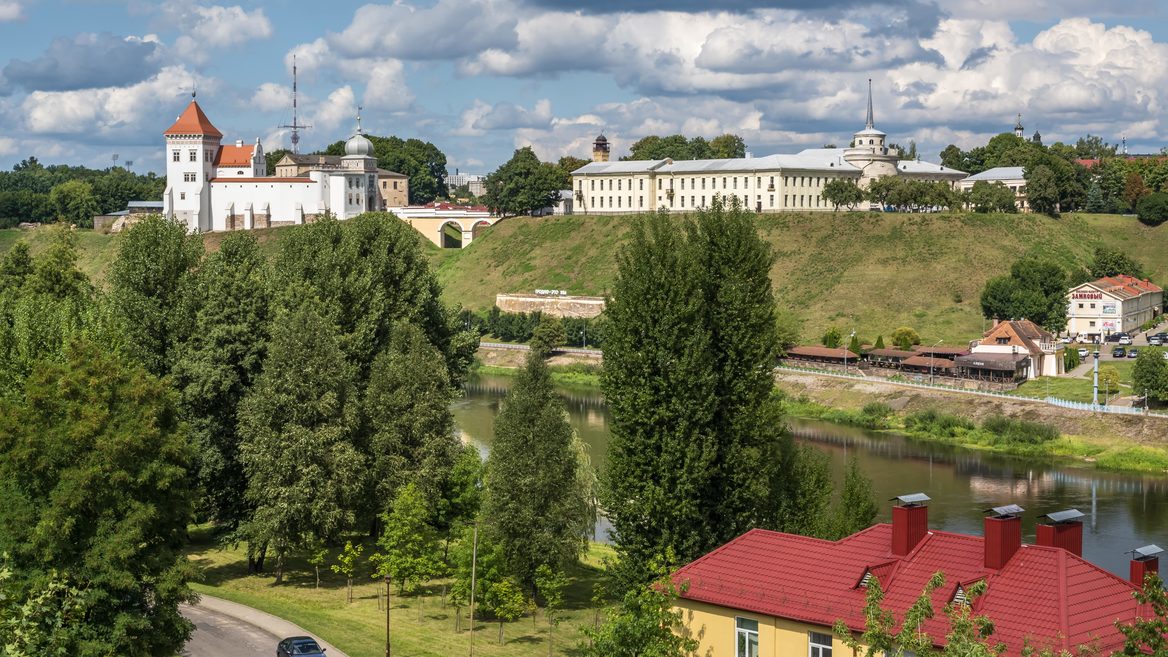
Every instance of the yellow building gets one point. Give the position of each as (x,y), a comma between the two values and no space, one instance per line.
(770,594)
(393,187)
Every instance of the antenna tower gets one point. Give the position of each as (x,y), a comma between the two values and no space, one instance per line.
(296,126)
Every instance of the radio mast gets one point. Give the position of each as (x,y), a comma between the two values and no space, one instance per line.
(296,126)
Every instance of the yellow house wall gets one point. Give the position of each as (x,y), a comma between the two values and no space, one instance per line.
(714,628)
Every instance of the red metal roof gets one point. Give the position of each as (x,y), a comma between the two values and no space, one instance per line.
(235,156)
(1045,595)
(193,122)
(822,352)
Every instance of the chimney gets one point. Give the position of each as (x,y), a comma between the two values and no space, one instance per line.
(239,143)
(1003,535)
(910,522)
(1063,529)
(1145,561)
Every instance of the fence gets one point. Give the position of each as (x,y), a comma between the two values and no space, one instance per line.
(1052,401)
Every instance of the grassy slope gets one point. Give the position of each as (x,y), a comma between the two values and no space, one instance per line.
(871,272)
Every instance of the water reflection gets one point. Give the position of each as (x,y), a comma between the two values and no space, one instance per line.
(1125,511)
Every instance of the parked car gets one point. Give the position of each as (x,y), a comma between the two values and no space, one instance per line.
(1083,352)
(1166,355)
(1066,339)
(1133,353)
(1118,352)
(1155,341)
(1125,339)
(299,646)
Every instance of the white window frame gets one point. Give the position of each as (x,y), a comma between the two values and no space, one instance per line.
(815,649)
(743,633)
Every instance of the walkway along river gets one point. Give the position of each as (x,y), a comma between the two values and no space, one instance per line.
(1124,511)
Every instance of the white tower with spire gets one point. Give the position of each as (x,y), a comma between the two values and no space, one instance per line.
(192,144)
(1019,131)
(869,152)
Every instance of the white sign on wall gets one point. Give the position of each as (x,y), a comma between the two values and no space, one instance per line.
(1109,309)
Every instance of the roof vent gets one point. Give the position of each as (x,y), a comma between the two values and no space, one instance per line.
(1145,561)
(1060,517)
(911,499)
(1062,529)
(910,522)
(1008,511)
(867,578)
(959,596)
(1003,535)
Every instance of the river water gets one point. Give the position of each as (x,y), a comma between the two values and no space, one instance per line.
(1124,511)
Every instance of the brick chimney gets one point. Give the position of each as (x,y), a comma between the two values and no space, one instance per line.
(910,522)
(1062,529)
(1003,535)
(1145,561)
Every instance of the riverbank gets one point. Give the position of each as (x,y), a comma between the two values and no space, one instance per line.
(571,369)
(1114,442)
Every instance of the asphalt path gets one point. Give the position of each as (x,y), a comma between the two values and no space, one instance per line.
(219,635)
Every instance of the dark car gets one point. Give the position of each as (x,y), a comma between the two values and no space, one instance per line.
(299,646)
(1118,352)
(1133,353)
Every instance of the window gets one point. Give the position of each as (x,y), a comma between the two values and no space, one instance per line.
(174,156)
(592,184)
(683,201)
(641,185)
(182,196)
(1092,306)
(772,181)
(735,182)
(772,200)
(703,183)
(746,631)
(640,201)
(618,185)
(618,201)
(819,645)
(1003,340)
(194,156)
(1080,306)
(723,183)
(1091,324)
(630,201)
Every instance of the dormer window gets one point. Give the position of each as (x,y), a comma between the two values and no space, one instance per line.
(959,597)
(1003,340)
(866,580)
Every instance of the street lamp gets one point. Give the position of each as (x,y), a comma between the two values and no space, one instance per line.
(1095,388)
(932,359)
(850,336)
(387,615)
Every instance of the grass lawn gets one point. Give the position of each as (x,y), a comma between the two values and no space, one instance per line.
(421,625)
(1080,388)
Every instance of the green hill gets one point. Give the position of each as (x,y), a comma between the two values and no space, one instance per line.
(871,272)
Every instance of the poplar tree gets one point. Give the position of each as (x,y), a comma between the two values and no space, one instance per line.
(699,453)
(295,430)
(218,364)
(536,508)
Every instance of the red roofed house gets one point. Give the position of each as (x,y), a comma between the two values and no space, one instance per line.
(1112,304)
(775,594)
(1019,337)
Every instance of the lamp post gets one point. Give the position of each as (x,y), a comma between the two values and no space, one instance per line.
(932,359)
(387,616)
(1095,388)
(850,336)
(474,558)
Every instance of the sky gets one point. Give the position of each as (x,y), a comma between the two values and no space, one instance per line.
(84,80)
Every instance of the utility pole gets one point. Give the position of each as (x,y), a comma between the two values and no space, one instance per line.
(1095,388)
(474,557)
(387,616)
(296,126)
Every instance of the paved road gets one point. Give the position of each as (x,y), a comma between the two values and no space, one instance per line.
(227,629)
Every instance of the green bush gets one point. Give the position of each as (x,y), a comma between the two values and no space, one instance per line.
(936,423)
(1008,430)
(1153,208)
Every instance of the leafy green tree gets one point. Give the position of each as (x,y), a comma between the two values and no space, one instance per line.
(407,404)
(905,337)
(347,560)
(409,545)
(880,190)
(1108,380)
(317,555)
(1134,189)
(567,164)
(1070,359)
(421,160)
(272,157)
(462,494)
(74,203)
(548,335)
(854,345)
(788,328)
(507,602)
(1150,375)
(295,428)
(688,353)
(842,192)
(857,505)
(1095,202)
(677,147)
(16,266)
(1111,262)
(550,585)
(727,146)
(95,478)
(1092,147)
(991,197)
(147,281)
(1153,208)
(645,623)
(218,363)
(56,272)
(535,508)
(37,620)
(1147,636)
(1035,289)
(522,185)
(1042,191)
(832,338)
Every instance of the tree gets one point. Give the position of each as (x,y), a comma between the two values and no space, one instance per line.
(407,404)
(95,478)
(905,337)
(879,342)
(16,266)
(1153,208)
(854,345)
(550,585)
(317,555)
(1035,289)
(688,353)
(832,338)
(522,185)
(1096,204)
(74,203)
(1070,359)
(409,545)
(788,328)
(1092,147)
(56,272)
(1113,262)
(37,620)
(1150,375)
(1147,637)
(991,197)
(548,335)
(1109,380)
(272,157)
(1134,189)
(567,164)
(1042,190)
(421,160)
(535,508)
(842,192)
(295,429)
(346,565)
(727,146)
(217,364)
(880,190)
(646,623)
(146,284)
(506,600)
(857,505)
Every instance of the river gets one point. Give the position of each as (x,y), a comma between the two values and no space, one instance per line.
(1125,511)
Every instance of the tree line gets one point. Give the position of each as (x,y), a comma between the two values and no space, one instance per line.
(33,192)
(422,161)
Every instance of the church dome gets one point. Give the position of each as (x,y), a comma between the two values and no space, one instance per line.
(358,144)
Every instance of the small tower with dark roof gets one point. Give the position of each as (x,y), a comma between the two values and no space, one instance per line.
(1019,131)
(600,149)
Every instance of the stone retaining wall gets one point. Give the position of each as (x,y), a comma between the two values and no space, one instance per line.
(571,306)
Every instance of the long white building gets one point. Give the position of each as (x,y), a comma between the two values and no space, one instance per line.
(773,183)
(210,186)
(1109,305)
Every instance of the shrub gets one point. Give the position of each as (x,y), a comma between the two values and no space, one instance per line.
(877,410)
(1007,430)
(904,338)
(1153,208)
(936,423)
(832,338)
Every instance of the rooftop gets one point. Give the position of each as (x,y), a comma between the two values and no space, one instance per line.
(999,173)
(193,122)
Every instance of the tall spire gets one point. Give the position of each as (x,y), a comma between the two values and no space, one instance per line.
(359,130)
(870,123)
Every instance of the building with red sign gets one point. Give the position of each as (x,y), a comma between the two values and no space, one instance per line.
(1112,304)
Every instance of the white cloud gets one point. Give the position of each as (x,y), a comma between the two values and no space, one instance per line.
(385,86)
(480,117)
(206,29)
(7,146)
(383,78)
(446,30)
(10,11)
(272,97)
(339,109)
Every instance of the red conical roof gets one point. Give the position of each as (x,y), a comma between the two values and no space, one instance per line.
(193,122)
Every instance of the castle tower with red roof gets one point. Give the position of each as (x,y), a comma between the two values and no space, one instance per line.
(192,145)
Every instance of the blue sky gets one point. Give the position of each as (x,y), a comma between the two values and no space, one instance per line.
(83,80)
